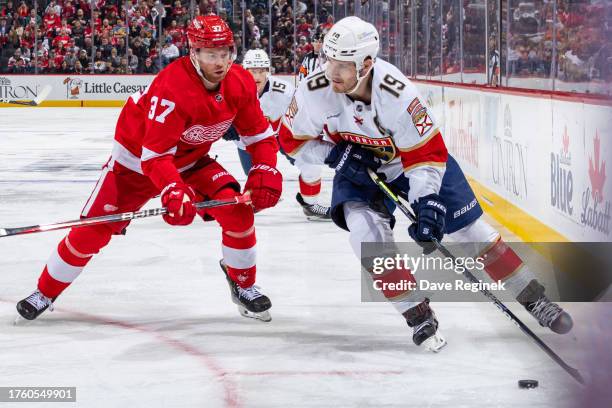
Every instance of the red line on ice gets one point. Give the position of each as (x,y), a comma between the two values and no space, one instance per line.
(229,388)
(341,373)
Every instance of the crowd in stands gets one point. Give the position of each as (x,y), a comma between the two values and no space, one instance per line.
(583,30)
(58,36)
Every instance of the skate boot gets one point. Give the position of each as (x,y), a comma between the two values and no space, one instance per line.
(251,303)
(33,306)
(547,313)
(425,325)
(314,212)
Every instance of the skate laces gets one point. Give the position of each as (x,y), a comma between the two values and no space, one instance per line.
(40,301)
(318,209)
(545,311)
(249,293)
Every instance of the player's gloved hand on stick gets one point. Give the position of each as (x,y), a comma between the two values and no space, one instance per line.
(430,213)
(353,162)
(179,200)
(265,184)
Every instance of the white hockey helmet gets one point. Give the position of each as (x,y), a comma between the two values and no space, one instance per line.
(256,59)
(352,39)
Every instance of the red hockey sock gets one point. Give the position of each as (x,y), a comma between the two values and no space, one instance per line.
(238,239)
(500,261)
(72,254)
(310,190)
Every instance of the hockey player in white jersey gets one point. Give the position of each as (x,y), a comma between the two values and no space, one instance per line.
(375,118)
(274,98)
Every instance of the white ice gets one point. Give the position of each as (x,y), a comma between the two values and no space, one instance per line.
(149,323)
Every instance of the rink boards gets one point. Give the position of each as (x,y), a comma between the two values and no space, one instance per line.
(537,161)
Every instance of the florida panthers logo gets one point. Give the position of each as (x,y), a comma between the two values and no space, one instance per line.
(198,134)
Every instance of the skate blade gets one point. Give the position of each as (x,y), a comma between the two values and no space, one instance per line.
(20,321)
(318,219)
(435,343)
(263,316)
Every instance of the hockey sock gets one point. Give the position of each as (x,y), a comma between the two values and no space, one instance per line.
(310,190)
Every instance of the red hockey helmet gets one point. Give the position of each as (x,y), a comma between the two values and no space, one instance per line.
(209,32)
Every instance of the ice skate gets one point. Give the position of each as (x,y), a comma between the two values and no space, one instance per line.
(547,313)
(314,212)
(425,325)
(33,306)
(250,301)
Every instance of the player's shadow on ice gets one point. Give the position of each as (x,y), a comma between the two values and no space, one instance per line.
(205,331)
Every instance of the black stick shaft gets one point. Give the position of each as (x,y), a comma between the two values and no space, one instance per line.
(469,276)
(127,216)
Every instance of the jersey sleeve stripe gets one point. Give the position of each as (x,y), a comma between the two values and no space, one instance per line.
(124,157)
(424,164)
(433,134)
(291,143)
(249,140)
(148,154)
(432,153)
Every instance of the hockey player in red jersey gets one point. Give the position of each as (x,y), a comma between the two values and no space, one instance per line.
(161,146)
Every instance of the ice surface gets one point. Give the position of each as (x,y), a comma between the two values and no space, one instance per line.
(150,323)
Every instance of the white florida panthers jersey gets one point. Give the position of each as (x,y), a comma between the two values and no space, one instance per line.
(397,125)
(274,102)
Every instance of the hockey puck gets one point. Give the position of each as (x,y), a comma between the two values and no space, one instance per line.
(527,384)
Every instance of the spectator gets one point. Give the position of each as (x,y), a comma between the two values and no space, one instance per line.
(123,67)
(169,53)
(14,59)
(99,67)
(106,48)
(78,68)
(70,58)
(83,59)
(114,60)
(52,68)
(51,21)
(149,67)
(66,69)
(132,60)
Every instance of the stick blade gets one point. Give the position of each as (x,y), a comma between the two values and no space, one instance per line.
(42,95)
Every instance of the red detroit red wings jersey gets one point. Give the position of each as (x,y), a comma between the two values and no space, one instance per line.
(178,117)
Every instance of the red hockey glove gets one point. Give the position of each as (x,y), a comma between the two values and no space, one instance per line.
(179,199)
(265,184)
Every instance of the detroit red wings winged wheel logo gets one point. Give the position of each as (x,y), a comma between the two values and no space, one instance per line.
(198,134)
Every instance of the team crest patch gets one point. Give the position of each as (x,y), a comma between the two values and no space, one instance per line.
(420,117)
(198,134)
(422,122)
(383,148)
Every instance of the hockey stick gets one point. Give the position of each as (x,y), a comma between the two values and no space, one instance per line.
(127,216)
(469,276)
(42,95)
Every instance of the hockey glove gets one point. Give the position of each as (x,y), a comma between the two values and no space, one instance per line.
(265,184)
(430,213)
(353,161)
(178,198)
